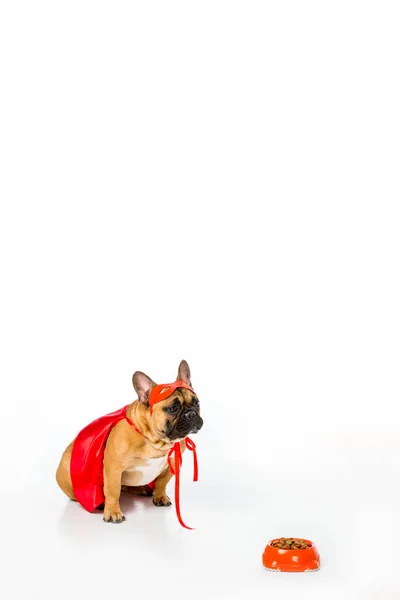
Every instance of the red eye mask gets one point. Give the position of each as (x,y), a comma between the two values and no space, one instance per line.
(163,391)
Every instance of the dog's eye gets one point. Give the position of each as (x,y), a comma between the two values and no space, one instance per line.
(173,409)
(196,403)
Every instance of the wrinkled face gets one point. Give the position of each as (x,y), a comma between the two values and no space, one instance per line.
(182,414)
(176,417)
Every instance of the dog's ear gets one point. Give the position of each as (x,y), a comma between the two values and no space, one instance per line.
(184,373)
(143,386)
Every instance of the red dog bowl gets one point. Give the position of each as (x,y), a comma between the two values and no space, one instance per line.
(291,561)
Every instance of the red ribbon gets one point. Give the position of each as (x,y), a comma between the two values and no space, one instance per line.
(132,424)
(176,450)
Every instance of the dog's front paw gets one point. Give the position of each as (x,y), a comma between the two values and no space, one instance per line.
(162,500)
(113,516)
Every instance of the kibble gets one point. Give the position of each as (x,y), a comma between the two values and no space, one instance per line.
(291,544)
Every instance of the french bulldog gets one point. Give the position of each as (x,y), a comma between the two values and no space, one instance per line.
(137,447)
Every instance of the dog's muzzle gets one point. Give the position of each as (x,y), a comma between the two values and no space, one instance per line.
(188,422)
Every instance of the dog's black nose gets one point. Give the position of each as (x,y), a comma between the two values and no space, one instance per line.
(190,414)
(197,425)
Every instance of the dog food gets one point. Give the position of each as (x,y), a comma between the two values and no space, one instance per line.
(291,544)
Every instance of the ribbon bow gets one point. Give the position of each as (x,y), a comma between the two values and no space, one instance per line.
(175,470)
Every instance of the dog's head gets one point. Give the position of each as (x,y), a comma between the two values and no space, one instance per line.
(178,415)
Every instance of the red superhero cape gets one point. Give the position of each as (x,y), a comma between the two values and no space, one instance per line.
(87,459)
(86,465)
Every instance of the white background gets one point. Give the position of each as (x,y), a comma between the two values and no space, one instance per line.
(215,181)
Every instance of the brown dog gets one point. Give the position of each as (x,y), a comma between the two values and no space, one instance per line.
(131,460)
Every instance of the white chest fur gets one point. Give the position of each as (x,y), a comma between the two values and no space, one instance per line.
(144,474)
